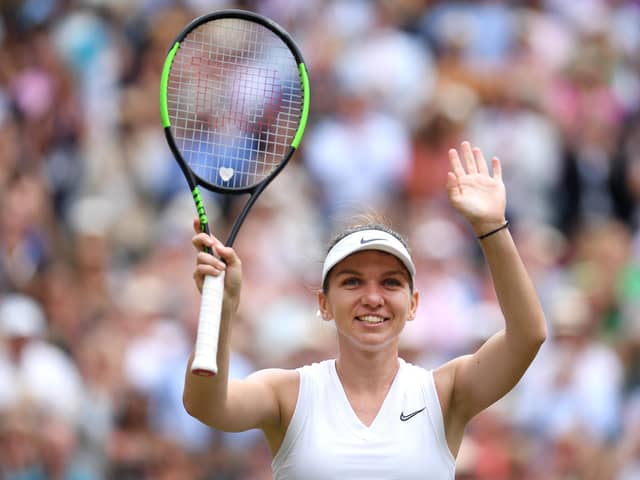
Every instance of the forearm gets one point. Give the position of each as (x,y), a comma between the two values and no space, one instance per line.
(205,397)
(484,377)
(524,318)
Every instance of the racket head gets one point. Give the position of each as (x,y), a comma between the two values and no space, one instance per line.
(234,100)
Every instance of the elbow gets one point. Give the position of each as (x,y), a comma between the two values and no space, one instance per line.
(193,408)
(199,409)
(543,330)
(539,340)
(188,405)
(539,336)
(529,339)
(543,336)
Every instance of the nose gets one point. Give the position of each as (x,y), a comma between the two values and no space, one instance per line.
(372,297)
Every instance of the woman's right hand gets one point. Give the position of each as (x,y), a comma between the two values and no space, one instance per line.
(224,259)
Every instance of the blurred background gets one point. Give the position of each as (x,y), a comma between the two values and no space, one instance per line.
(97,302)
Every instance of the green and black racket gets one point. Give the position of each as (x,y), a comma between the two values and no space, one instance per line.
(234,102)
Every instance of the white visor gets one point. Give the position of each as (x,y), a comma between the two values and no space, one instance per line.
(368,240)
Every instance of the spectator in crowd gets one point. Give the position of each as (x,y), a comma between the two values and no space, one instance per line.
(559,399)
(32,370)
(90,199)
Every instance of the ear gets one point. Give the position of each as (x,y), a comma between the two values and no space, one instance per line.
(415,299)
(324,307)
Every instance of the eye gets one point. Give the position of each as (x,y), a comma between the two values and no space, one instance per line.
(350,282)
(392,282)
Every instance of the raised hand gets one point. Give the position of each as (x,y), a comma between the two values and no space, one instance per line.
(478,195)
(208,264)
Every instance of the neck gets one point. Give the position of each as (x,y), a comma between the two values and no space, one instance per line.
(367,371)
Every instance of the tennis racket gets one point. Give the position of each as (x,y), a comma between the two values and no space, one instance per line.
(234,102)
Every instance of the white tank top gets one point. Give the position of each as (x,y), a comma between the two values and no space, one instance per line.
(327,441)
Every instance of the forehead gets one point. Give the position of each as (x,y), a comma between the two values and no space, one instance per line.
(369,260)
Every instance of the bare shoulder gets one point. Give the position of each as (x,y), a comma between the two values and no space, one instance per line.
(285,385)
(282,381)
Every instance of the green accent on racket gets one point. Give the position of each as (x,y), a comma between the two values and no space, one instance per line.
(202,215)
(304,78)
(164,82)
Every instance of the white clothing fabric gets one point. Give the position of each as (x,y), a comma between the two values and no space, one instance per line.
(327,441)
(43,376)
(372,239)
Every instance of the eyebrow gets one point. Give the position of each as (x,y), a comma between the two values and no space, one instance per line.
(399,271)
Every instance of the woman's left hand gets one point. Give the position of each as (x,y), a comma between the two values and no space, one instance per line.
(478,195)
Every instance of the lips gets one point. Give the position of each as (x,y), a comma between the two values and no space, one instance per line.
(371,319)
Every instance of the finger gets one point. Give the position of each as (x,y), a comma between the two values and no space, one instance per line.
(202,271)
(196,225)
(469,161)
(227,254)
(453,186)
(456,165)
(202,241)
(204,258)
(199,279)
(496,166)
(481,163)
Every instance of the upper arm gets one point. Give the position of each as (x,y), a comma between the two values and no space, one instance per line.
(468,384)
(259,401)
(481,379)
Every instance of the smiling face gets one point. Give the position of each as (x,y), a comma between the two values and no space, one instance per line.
(370,298)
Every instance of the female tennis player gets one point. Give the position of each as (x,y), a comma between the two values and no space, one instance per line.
(368,414)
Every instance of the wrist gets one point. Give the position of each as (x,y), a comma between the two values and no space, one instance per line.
(490,228)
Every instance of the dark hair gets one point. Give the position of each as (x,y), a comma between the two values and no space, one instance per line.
(366,221)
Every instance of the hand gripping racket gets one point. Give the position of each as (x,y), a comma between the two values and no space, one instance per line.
(234,102)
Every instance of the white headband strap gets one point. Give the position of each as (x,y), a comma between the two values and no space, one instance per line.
(372,239)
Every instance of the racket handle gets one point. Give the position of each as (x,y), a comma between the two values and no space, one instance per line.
(206,349)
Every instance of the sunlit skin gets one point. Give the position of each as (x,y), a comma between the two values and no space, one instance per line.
(374,286)
(367,285)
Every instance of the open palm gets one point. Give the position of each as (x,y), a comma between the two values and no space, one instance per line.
(478,195)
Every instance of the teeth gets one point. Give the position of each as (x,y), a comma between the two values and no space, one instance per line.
(371,319)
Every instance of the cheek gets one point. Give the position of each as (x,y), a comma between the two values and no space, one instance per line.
(404,296)
(406,303)
(342,301)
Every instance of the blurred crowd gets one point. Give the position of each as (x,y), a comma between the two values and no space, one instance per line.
(97,302)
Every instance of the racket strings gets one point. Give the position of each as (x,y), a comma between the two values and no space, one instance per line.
(235,101)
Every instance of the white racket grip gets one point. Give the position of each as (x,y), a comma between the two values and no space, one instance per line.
(206,349)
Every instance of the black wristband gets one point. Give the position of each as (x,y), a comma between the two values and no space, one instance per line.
(502,227)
